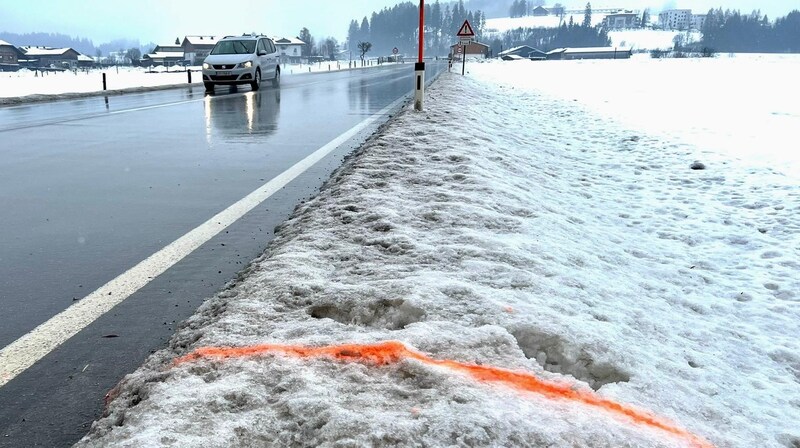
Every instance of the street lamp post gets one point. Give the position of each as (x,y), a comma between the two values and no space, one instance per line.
(419,67)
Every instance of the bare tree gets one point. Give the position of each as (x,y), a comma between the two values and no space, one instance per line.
(364,48)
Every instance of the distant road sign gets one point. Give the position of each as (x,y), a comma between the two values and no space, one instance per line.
(395,50)
(466,30)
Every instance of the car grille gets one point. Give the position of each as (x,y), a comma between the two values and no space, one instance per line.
(224,78)
(224,67)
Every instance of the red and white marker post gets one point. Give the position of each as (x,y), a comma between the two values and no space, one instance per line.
(419,67)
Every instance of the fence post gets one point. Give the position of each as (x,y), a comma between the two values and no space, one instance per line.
(190,75)
(104,81)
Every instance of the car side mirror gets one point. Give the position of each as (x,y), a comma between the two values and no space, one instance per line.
(262,53)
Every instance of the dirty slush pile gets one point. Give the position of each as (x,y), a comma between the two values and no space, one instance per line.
(475,247)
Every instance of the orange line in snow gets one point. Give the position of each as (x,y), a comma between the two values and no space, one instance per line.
(392,352)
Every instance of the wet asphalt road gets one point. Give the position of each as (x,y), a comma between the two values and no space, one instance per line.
(91,187)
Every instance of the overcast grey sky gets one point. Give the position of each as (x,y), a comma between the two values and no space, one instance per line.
(164,20)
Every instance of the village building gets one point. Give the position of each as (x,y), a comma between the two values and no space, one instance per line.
(9,57)
(675,19)
(197,48)
(166,55)
(523,52)
(622,20)
(290,49)
(39,57)
(569,54)
(473,50)
(540,11)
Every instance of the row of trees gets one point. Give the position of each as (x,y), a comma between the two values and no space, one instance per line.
(732,31)
(398,27)
(522,8)
(568,34)
(327,48)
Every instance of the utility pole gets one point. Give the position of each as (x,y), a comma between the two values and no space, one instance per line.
(419,67)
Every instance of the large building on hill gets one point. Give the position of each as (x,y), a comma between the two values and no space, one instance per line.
(681,20)
(622,20)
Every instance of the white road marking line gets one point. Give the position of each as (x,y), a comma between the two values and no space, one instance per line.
(27,350)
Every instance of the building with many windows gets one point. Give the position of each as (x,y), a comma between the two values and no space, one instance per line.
(622,20)
(699,21)
(675,19)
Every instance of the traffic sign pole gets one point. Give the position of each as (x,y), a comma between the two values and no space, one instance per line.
(465,35)
(419,67)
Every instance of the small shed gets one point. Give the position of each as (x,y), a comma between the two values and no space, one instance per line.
(473,50)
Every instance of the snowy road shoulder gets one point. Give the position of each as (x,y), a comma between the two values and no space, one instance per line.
(538,239)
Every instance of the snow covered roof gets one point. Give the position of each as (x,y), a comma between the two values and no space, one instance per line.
(288,41)
(202,40)
(168,48)
(46,51)
(594,50)
(4,43)
(165,54)
(515,49)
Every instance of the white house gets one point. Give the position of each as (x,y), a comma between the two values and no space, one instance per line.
(290,48)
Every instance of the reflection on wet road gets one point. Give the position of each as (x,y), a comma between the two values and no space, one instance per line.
(91,187)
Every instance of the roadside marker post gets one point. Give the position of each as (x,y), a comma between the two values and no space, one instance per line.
(419,67)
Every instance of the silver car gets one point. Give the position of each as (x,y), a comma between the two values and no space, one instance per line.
(242,60)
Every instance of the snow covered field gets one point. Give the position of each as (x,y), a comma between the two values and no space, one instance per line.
(527,223)
(26,83)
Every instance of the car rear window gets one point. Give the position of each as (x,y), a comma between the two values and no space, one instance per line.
(234,47)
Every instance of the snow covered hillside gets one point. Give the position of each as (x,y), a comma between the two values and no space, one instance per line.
(501,25)
(507,227)
(648,39)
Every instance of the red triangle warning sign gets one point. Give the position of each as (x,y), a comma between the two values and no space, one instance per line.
(466,30)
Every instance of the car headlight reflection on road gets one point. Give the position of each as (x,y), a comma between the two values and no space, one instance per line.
(247,64)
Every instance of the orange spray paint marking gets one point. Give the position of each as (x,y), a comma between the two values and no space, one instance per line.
(392,352)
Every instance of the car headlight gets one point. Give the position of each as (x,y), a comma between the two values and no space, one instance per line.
(206,66)
(247,64)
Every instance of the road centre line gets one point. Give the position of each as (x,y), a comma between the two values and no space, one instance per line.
(32,347)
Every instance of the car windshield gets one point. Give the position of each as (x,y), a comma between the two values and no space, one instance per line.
(234,47)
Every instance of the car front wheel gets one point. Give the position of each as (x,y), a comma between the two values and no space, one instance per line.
(257,83)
